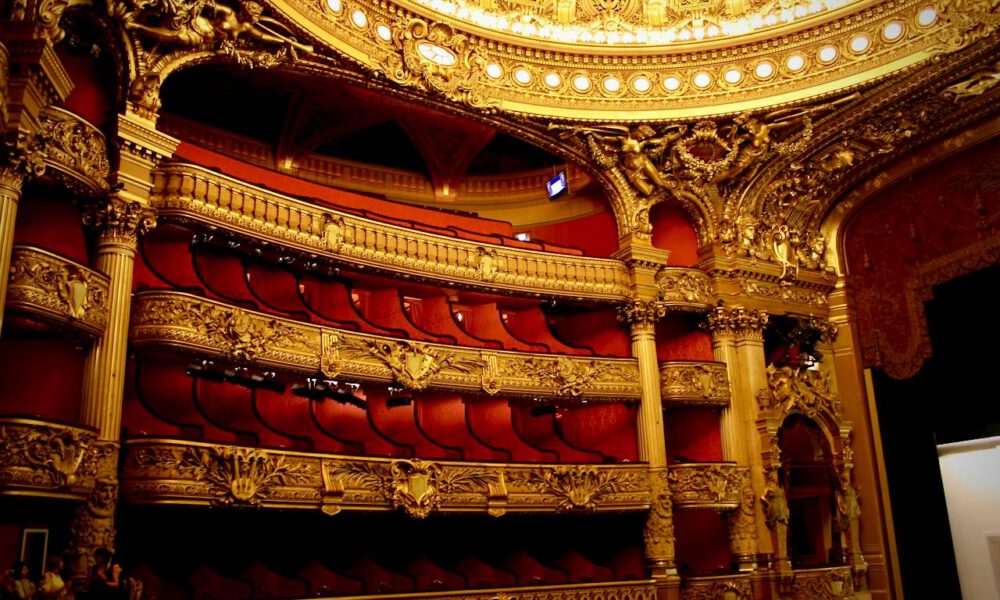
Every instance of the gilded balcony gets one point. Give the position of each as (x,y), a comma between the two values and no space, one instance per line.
(188,193)
(175,472)
(75,151)
(723,587)
(691,383)
(41,458)
(715,486)
(241,336)
(57,290)
(831,583)
(615,590)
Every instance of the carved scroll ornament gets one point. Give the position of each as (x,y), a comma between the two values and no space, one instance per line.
(46,457)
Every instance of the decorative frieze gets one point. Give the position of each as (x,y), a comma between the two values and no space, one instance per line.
(685,288)
(194,194)
(706,485)
(726,587)
(57,289)
(620,590)
(248,337)
(160,471)
(689,383)
(47,459)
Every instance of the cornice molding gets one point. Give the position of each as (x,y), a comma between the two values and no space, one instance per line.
(211,328)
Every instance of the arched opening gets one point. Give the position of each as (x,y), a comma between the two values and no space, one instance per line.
(807,477)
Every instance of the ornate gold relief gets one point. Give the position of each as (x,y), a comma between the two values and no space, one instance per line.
(21,158)
(75,148)
(706,485)
(230,475)
(43,458)
(803,391)
(57,289)
(119,220)
(658,533)
(727,587)
(685,383)
(434,57)
(190,193)
(579,487)
(743,525)
(641,313)
(170,471)
(975,84)
(684,288)
(243,336)
(736,321)
(820,584)
(93,524)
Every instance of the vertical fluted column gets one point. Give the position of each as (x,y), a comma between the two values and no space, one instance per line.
(119,223)
(738,340)
(13,172)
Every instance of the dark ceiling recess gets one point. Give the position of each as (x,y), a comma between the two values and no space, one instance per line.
(301,115)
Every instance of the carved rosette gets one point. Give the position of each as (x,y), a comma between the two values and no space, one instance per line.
(47,458)
(57,289)
(686,289)
(706,485)
(215,329)
(119,221)
(75,148)
(736,322)
(642,314)
(167,471)
(685,383)
(93,525)
(659,531)
(717,588)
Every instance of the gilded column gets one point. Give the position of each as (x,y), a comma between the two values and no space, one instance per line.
(119,223)
(738,340)
(14,171)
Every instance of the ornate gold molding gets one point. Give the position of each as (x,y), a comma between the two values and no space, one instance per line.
(242,336)
(625,590)
(57,289)
(163,471)
(685,288)
(75,149)
(800,391)
(727,587)
(689,383)
(46,459)
(737,322)
(758,283)
(641,313)
(195,194)
(706,485)
(835,583)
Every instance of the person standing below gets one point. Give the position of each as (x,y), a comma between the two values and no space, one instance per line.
(23,588)
(52,584)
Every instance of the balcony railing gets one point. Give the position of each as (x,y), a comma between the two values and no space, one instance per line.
(690,383)
(706,485)
(75,150)
(174,472)
(241,336)
(40,458)
(57,290)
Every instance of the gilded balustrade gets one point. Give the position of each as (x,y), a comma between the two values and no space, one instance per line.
(47,459)
(832,583)
(706,485)
(691,383)
(194,194)
(75,150)
(212,328)
(618,590)
(58,290)
(175,472)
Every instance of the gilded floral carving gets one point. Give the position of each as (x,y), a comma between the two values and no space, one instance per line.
(705,485)
(578,487)
(805,391)
(40,455)
(54,287)
(823,584)
(679,288)
(118,219)
(76,146)
(684,383)
(716,588)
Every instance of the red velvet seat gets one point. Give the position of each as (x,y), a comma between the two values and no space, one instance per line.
(490,420)
(442,418)
(540,431)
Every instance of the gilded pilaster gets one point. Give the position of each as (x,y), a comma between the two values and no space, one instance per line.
(738,341)
(119,222)
(93,524)
(17,168)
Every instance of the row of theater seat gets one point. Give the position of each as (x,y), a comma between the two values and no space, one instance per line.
(165,401)
(170,260)
(330,560)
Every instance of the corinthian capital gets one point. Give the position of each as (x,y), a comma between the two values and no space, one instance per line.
(21,159)
(120,220)
(736,321)
(642,313)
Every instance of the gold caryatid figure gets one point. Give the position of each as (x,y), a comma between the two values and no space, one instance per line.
(205,21)
(636,151)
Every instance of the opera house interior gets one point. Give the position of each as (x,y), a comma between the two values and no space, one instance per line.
(499,299)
